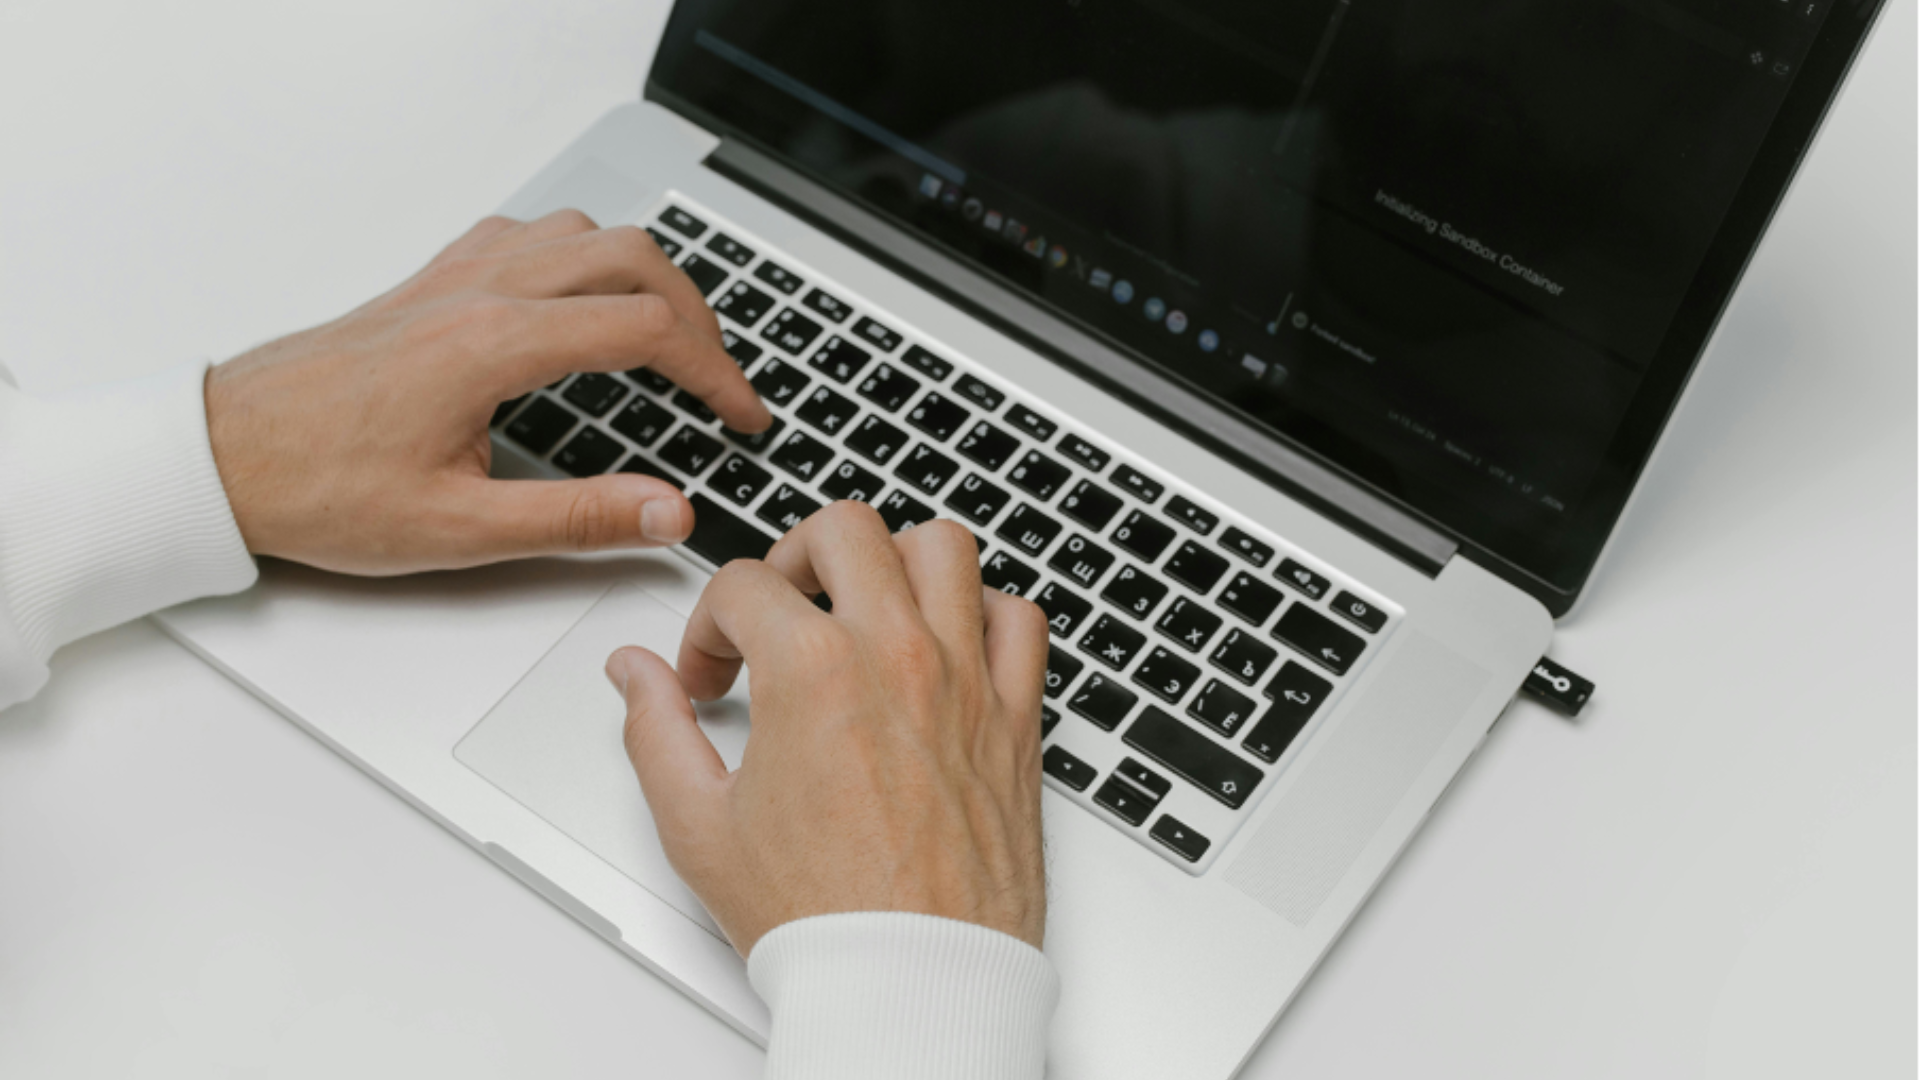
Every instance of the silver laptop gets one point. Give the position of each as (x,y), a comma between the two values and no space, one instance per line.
(1297,358)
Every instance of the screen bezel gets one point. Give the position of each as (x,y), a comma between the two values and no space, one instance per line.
(1830,56)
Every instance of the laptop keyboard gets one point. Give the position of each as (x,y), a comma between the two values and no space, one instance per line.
(1191,650)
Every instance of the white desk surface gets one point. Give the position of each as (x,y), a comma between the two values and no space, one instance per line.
(1712,873)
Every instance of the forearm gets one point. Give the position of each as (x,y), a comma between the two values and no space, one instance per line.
(110,508)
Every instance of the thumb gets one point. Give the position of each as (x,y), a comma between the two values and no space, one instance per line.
(679,770)
(518,518)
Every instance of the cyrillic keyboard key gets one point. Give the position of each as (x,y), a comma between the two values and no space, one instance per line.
(977,500)
(1103,701)
(1090,505)
(1358,612)
(876,440)
(739,480)
(802,455)
(707,274)
(1196,567)
(1066,768)
(1138,484)
(1243,656)
(1240,543)
(1008,574)
(888,388)
(1318,639)
(1193,757)
(682,222)
(1303,579)
(759,440)
(849,481)
(667,244)
(1221,708)
(979,393)
(743,304)
(831,308)
(791,331)
(1188,624)
(1183,510)
(876,335)
(690,450)
(1250,598)
(541,425)
(927,469)
(929,365)
(1112,642)
(1081,560)
(642,421)
(779,277)
(1065,609)
(937,416)
(719,537)
(589,453)
(1088,455)
(1134,592)
(1061,671)
(646,467)
(825,410)
(651,380)
(1143,535)
(505,409)
(1028,529)
(1035,425)
(693,406)
(780,382)
(902,511)
(840,359)
(1039,475)
(744,352)
(1125,801)
(1166,676)
(787,507)
(594,393)
(730,249)
(988,445)
(1180,838)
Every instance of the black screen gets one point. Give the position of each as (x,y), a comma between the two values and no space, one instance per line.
(1445,245)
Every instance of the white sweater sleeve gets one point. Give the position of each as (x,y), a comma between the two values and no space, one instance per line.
(884,994)
(110,508)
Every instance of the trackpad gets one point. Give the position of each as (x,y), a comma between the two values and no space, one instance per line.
(553,743)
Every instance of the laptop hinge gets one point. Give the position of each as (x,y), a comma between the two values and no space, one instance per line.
(1300,475)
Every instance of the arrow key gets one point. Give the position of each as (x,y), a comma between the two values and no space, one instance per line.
(1185,843)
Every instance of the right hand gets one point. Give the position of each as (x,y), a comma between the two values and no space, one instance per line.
(894,762)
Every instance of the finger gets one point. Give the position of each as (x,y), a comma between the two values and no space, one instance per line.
(747,606)
(545,339)
(540,230)
(940,561)
(493,520)
(846,551)
(1016,650)
(680,772)
(605,261)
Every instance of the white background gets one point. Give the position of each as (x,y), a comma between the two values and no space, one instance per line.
(1712,873)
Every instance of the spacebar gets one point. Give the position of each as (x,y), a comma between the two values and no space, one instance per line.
(720,538)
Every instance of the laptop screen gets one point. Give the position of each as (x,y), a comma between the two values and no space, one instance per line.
(1448,246)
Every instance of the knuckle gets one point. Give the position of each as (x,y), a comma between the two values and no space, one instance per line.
(821,646)
(632,243)
(574,220)
(589,524)
(849,515)
(652,316)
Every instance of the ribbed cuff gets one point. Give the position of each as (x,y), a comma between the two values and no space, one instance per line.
(110,508)
(888,994)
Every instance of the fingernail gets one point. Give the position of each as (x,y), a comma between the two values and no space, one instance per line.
(662,522)
(617,672)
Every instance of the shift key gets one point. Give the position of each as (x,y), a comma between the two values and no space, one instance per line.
(1196,758)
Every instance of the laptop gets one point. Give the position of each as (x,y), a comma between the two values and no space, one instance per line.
(1298,359)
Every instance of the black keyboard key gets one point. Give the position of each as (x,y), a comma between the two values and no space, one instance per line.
(802,455)
(706,273)
(1193,757)
(1357,611)
(1138,484)
(791,331)
(1188,624)
(1181,839)
(779,382)
(779,277)
(1165,675)
(876,335)
(1182,510)
(1240,543)
(1303,579)
(1221,708)
(928,364)
(1090,505)
(1008,574)
(682,222)
(739,480)
(927,469)
(1134,592)
(541,425)
(1065,609)
(937,416)
(1318,639)
(1039,475)
(1243,656)
(595,394)
(840,359)
(644,467)
(876,440)
(690,450)
(1028,529)
(850,481)
(1143,535)
(693,406)
(977,500)
(1066,768)
(1112,642)
(1062,669)
(1048,720)
(979,393)
(744,352)
(758,441)
(1196,567)
(730,249)
(505,409)
(1125,801)
(1297,694)
(888,387)
(667,244)
(830,307)
(902,511)
(826,410)
(719,537)
(1087,454)
(1081,560)
(1103,701)
(743,304)
(1250,598)
(1035,425)
(988,445)
(787,507)
(642,421)
(589,453)
(651,380)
